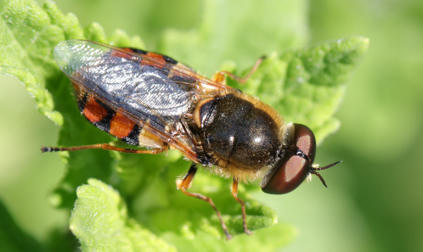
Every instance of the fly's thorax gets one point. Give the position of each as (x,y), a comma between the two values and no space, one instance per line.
(287,131)
(239,134)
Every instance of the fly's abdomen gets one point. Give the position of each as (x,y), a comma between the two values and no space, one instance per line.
(107,119)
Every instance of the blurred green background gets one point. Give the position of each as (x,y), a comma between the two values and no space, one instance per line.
(374,201)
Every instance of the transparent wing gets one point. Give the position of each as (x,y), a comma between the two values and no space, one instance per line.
(137,84)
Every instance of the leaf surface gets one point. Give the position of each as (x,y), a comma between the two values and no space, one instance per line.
(304,85)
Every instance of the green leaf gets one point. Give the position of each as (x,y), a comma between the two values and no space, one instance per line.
(269,239)
(100,221)
(304,85)
(12,237)
(307,85)
(236,31)
(29,35)
(188,222)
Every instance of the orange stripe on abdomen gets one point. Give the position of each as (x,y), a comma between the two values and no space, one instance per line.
(121,126)
(93,110)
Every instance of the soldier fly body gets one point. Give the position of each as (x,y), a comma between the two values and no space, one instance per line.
(152,101)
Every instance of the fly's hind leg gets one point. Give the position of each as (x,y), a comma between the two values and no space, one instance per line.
(185,184)
(241,202)
(219,77)
(104,147)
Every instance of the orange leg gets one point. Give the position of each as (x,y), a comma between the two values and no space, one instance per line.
(244,213)
(184,185)
(219,77)
(104,147)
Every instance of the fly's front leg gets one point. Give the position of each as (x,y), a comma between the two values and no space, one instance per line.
(244,213)
(219,77)
(185,184)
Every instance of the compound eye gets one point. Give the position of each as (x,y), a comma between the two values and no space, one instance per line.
(305,141)
(290,175)
(293,169)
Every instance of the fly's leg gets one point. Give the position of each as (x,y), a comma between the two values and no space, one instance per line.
(104,147)
(185,184)
(219,77)
(244,213)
